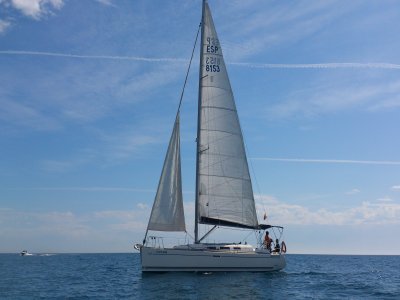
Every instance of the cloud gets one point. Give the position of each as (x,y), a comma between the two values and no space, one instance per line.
(132,221)
(106,2)
(66,165)
(108,150)
(353,192)
(66,224)
(113,230)
(396,187)
(24,115)
(122,146)
(77,93)
(385,199)
(331,94)
(388,97)
(142,206)
(276,25)
(109,147)
(4,25)
(115,214)
(66,231)
(35,8)
(369,212)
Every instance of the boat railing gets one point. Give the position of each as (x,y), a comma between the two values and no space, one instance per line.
(155,242)
(165,242)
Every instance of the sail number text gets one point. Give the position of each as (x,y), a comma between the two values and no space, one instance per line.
(212,64)
(212,47)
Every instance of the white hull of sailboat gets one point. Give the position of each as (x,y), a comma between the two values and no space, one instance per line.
(200,260)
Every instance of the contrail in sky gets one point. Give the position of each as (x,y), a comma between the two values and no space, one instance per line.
(134,58)
(240,64)
(330,161)
(90,189)
(319,66)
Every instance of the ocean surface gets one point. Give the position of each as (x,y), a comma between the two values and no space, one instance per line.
(114,276)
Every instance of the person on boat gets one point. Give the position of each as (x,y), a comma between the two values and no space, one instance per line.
(267,241)
(277,247)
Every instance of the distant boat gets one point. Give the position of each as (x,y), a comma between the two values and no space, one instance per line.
(25,253)
(224,194)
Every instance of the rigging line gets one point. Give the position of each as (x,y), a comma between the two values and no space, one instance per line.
(188,70)
(224,176)
(219,107)
(247,236)
(246,151)
(254,177)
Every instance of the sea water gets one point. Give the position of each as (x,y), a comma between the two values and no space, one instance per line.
(115,276)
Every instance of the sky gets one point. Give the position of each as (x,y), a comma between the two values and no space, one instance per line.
(89,91)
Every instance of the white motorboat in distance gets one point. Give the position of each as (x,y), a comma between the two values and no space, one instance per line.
(25,253)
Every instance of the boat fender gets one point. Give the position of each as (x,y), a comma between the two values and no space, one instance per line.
(283,247)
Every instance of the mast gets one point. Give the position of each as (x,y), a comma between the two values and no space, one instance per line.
(196,219)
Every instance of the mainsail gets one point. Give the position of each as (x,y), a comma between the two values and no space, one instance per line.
(224,190)
(167,212)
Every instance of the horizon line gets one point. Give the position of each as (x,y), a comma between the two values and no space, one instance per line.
(38,253)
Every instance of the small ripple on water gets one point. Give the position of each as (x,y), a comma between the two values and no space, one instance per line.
(106,276)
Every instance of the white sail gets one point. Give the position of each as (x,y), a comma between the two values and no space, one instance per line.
(167,212)
(225,194)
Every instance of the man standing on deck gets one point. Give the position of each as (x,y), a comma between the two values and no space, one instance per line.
(267,241)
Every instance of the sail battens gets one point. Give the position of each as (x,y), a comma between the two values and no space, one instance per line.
(222,131)
(218,107)
(226,155)
(227,177)
(215,87)
(225,193)
(211,54)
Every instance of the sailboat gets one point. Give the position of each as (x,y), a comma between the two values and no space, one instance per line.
(224,194)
